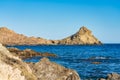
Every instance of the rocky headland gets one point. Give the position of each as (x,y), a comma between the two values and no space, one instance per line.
(9,37)
(82,37)
(13,68)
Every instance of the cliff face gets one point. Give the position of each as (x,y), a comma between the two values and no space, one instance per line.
(13,68)
(83,36)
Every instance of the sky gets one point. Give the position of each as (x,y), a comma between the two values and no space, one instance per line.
(57,19)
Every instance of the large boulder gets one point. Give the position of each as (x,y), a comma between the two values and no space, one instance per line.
(46,70)
(13,68)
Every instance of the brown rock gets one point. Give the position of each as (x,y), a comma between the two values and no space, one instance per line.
(13,68)
(96,62)
(27,53)
(46,70)
(112,76)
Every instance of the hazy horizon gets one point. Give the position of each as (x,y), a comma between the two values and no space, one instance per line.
(57,19)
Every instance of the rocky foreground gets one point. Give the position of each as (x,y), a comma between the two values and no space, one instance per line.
(13,68)
(83,36)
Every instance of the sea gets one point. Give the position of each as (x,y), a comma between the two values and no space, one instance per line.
(82,58)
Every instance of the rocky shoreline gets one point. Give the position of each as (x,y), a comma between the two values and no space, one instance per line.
(13,68)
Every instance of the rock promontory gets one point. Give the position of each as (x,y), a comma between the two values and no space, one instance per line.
(82,37)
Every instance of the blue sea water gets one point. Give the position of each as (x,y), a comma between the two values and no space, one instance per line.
(81,57)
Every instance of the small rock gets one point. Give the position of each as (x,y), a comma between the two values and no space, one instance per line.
(112,76)
(96,62)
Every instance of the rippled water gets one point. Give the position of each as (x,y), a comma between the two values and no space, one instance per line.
(80,58)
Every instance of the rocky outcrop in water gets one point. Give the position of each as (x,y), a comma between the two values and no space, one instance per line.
(28,53)
(46,70)
(13,68)
(112,76)
(83,36)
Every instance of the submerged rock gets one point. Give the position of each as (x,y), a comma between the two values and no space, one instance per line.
(46,70)
(28,53)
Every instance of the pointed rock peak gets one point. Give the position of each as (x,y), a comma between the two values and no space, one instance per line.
(84,30)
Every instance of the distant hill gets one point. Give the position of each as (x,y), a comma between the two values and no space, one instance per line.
(9,37)
(83,36)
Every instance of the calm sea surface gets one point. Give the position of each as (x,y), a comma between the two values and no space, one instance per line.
(80,58)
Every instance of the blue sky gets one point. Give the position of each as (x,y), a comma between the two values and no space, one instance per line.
(57,19)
